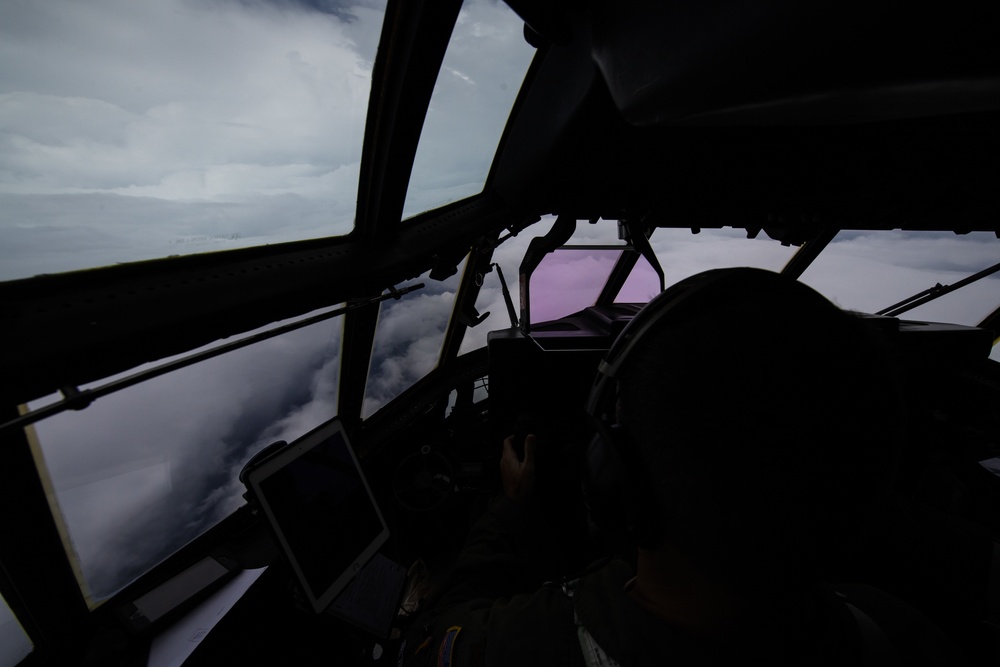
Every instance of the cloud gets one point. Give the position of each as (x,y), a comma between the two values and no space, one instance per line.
(482,71)
(194,104)
(84,230)
(871,271)
(680,254)
(408,340)
(228,102)
(490,298)
(143,471)
(173,446)
(568,281)
(863,271)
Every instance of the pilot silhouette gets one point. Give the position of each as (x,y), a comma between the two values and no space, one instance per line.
(745,427)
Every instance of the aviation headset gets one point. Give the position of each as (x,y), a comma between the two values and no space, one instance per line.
(617,487)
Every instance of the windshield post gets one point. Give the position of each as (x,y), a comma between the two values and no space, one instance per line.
(540,246)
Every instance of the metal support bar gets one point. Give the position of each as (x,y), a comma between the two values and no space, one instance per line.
(619,274)
(991,321)
(511,313)
(639,240)
(74,399)
(540,246)
(809,251)
(935,292)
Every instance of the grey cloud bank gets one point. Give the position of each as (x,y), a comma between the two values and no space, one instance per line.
(143,471)
(79,231)
(222,121)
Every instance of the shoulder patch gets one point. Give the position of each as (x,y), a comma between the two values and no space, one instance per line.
(447,651)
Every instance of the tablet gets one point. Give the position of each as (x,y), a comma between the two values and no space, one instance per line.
(321,510)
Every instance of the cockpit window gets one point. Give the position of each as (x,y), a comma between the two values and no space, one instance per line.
(14,642)
(682,253)
(641,285)
(142,472)
(145,130)
(408,339)
(482,72)
(570,279)
(490,300)
(870,271)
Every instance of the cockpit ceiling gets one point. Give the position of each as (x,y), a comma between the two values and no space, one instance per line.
(930,174)
(740,63)
(710,114)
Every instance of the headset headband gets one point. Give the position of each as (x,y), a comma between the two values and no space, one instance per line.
(659,307)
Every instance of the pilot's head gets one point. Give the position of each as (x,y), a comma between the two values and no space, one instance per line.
(760,424)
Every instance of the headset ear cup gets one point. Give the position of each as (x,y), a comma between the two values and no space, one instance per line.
(602,492)
(615,500)
(640,510)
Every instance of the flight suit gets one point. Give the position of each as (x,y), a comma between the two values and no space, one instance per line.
(493,612)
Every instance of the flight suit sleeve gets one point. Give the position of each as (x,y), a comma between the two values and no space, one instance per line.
(493,608)
(506,553)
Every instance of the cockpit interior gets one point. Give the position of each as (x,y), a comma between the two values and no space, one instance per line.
(430,220)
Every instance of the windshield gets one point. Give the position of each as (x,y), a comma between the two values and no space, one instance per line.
(482,72)
(571,278)
(143,471)
(870,271)
(408,339)
(140,130)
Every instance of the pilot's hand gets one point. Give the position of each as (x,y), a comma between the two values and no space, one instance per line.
(518,476)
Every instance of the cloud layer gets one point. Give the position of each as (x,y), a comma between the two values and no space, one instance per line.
(137,131)
(143,471)
(126,130)
(482,72)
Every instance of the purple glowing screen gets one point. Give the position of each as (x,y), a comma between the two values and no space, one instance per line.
(570,279)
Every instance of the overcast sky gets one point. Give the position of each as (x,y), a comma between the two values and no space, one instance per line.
(136,130)
(133,131)
(139,130)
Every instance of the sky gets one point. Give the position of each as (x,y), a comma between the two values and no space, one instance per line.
(132,130)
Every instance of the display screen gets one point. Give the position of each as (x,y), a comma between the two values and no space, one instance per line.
(322,508)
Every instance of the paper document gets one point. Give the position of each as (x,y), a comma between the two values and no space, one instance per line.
(173,646)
